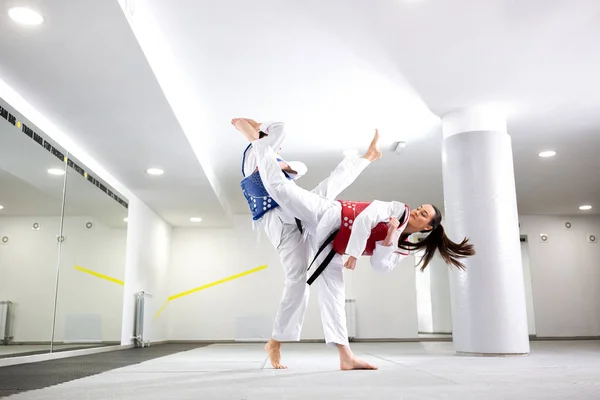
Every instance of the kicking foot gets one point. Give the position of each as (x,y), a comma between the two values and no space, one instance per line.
(373,153)
(246,128)
(273,349)
(354,363)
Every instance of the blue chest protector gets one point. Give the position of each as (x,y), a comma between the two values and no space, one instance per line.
(254,191)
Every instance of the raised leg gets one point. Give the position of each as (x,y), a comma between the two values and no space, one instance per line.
(300,203)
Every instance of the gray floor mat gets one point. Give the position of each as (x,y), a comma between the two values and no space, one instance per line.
(21,378)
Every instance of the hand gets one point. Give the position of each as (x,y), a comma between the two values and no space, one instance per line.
(393,224)
(350,263)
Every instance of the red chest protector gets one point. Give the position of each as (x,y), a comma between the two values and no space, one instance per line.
(351,210)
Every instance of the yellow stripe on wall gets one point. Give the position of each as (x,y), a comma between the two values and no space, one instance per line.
(176,296)
(98,275)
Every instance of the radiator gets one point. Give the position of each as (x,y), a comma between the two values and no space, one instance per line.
(351,317)
(5,317)
(140,319)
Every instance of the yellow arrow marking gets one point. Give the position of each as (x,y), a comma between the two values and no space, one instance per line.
(250,271)
(98,275)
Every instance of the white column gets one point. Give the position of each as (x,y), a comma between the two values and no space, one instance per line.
(488,300)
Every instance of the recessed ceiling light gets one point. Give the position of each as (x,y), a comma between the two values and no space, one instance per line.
(585,208)
(155,171)
(56,171)
(1,207)
(125,219)
(548,153)
(196,219)
(25,16)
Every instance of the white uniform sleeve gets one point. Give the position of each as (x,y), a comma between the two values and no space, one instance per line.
(376,212)
(385,258)
(276,133)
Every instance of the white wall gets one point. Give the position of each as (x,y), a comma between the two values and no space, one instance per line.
(386,303)
(433,296)
(147,269)
(565,274)
(245,308)
(89,308)
(424,299)
(440,295)
(240,309)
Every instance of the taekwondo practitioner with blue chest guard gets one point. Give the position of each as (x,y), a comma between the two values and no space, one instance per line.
(284,231)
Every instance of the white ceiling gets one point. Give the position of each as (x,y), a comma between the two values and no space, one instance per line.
(333,70)
(84,69)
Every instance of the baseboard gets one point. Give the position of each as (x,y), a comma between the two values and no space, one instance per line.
(5,362)
(159,342)
(47,343)
(356,340)
(560,338)
(400,340)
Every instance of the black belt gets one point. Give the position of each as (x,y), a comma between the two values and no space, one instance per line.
(299,225)
(325,262)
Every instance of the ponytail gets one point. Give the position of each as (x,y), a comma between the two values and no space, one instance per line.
(450,251)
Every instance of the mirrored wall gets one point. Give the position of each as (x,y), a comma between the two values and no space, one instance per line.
(62,246)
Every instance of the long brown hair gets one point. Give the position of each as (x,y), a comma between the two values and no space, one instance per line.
(450,252)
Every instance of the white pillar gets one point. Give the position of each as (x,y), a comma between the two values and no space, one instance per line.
(488,300)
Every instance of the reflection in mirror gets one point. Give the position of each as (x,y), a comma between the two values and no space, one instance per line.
(92,262)
(32,174)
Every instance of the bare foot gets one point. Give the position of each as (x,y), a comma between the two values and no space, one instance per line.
(246,128)
(355,363)
(373,153)
(273,349)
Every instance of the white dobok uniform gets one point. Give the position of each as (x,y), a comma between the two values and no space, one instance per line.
(321,216)
(292,246)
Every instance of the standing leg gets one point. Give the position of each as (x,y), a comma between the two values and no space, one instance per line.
(332,301)
(292,307)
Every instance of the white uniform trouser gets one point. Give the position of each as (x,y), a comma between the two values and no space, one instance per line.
(294,253)
(320,216)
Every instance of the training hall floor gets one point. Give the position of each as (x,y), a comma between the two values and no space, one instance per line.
(415,370)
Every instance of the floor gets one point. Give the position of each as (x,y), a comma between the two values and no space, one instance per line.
(418,370)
